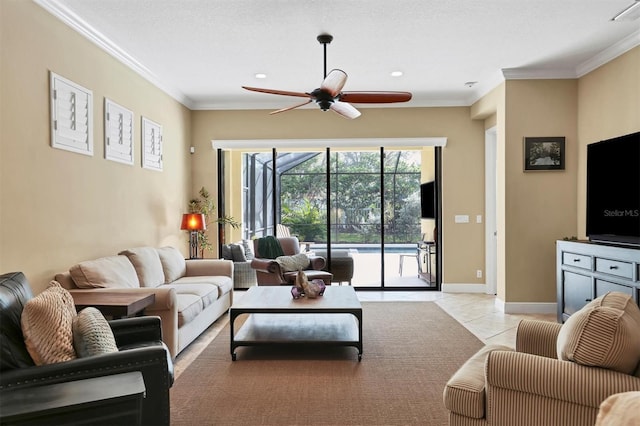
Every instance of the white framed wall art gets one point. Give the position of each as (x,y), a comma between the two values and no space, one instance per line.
(118,133)
(71,115)
(151,145)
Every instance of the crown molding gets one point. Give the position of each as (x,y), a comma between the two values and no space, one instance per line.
(609,54)
(586,67)
(71,19)
(325,143)
(538,73)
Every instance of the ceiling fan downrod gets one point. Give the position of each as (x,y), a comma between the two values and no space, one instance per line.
(325,39)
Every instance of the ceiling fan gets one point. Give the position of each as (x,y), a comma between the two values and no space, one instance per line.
(330,95)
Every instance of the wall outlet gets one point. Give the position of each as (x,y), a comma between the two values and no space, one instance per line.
(479,273)
(479,218)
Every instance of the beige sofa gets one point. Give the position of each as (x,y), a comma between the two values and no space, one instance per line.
(189,294)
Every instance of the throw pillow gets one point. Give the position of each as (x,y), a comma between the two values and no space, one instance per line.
(292,263)
(173,264)
(106,272)
(92,334)
(247,245)
(618,300)
(237,253)
(147,263)
(225,252)
(47,325)
(602,337)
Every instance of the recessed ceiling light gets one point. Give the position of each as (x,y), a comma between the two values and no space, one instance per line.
(470,83)
(630,13)
(396,73)
(260,75)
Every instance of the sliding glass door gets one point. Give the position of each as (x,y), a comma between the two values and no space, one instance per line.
(360,209)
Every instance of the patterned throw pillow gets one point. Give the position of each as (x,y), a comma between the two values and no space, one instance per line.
(296,262)
(47,325)
(248,249)
(92,334)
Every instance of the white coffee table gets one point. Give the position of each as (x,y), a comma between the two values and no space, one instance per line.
(275,317)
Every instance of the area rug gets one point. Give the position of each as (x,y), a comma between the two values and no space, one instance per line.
(410,351)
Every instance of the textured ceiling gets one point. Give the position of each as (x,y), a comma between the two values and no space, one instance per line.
(202,51)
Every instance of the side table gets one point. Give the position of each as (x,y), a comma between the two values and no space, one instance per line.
(113,304)
(108,400)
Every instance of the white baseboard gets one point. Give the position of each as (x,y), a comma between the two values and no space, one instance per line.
(526,307)
(506,307)
(464,288)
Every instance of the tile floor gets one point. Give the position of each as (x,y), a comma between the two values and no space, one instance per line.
(477,312)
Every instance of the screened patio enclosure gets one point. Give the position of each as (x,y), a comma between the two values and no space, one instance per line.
(363,204)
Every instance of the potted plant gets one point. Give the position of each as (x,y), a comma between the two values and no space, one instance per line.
(204,204)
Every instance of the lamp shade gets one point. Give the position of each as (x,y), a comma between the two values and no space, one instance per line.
(193,222)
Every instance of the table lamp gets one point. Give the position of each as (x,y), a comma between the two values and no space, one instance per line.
(193,222)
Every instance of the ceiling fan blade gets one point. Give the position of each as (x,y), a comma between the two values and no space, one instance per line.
(334,82)
(375,97)
(291,107)
(277,92)
(344,109)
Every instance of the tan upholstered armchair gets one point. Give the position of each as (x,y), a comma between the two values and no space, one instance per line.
(271,272)
(599,351)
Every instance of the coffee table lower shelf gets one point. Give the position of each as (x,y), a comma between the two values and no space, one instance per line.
(330,329)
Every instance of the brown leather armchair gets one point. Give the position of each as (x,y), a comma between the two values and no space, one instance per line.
(140,348)
(269,271)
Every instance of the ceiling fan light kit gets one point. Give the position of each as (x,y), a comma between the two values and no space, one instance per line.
(329,96)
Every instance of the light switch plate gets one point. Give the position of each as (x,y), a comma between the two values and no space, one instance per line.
(462,218)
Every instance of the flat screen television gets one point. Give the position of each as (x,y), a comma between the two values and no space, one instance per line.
(428,200)
(613,190)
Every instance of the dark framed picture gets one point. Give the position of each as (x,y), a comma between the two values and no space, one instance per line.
(544,153)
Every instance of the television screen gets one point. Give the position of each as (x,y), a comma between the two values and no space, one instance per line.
(428,200)
(613,190)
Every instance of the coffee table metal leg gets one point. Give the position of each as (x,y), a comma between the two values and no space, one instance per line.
(358,315)
(232,317)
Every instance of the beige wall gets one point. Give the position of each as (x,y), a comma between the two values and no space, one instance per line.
(539,206)
(609,105)
(57,207)
(463,166)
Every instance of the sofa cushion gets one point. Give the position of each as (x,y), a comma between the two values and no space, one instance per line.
(464,393)
(105,272)
(92,334)
(292,263)
(47,325)
(173,263)
(224,284)
(147,263)
(601,336)
(205,291)
(189,306)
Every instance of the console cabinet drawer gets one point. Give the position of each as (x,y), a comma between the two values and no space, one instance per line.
(586,270)
(603,287)
(615,267)
(576,260)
